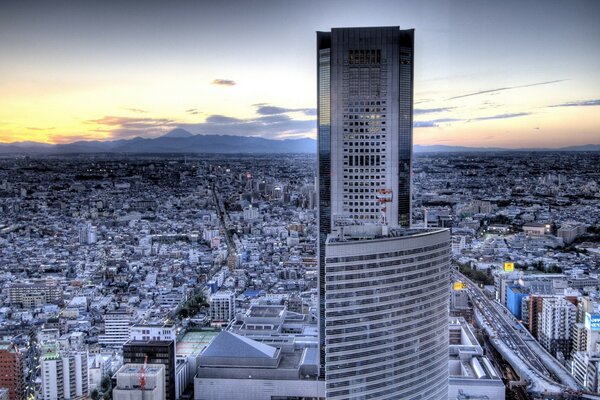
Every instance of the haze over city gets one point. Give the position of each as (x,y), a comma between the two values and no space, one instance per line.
(488,74)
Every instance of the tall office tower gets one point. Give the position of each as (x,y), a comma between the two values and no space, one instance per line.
(365,89)
(11,370)
(383,288)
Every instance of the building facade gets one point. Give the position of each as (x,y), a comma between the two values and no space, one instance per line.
(154,352)
(128,382)
(557,319)
(364,122)
(222,306)
(11,371)
(365,89)
(386,321)
(64,373)
(116,328)
(381,285)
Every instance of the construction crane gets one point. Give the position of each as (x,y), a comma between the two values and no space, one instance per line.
(143,376)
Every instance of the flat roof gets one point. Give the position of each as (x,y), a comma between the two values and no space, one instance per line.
(194,342)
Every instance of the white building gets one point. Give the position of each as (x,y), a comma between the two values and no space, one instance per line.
(87,234)
(128,382)
(251,213)
(116,329)
(64,373)
(222,306)
(158,331)
(556,322)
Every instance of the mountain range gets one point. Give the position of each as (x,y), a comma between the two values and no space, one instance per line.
(182,141)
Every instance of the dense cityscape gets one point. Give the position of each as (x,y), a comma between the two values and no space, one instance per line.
(105,253)
(316,200)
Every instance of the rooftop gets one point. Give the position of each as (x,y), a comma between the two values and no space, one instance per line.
(194,342)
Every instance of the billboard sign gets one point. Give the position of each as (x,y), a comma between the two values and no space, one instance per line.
(458,285)
(592,321)
(509,266)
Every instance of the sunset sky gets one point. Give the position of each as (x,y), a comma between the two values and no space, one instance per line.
(487,73)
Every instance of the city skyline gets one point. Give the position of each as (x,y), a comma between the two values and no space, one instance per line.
(486,74)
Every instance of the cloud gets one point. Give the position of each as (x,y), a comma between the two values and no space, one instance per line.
(135,110)
(33,128)
(500,116)
(265,109)
(505,88)
(580,103)
(193,111)
(268,126)
(61,139)
(420,111)
(434,123)
(223,82)
(127,127)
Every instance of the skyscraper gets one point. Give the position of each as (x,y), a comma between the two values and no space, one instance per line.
(365,88)
(383,288)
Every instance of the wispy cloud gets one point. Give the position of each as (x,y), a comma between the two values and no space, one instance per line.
(126,127)
(501,89)
(135,110)
(270,122)
(580,103)
(437,122)
(224,82)
(35,128)
(420,111)
(268,126)
(434,122)
(193,111)
(266,109)
(500,116)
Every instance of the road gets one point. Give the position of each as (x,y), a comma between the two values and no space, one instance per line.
(512,334)
(225,223)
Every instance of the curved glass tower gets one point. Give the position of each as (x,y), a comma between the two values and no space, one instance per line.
(386,333)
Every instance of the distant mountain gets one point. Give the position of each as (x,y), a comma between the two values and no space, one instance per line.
(182,141)
(438,148)
(176,141)
(178,133)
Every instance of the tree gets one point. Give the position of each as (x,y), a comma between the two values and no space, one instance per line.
(95,394)
(106,384)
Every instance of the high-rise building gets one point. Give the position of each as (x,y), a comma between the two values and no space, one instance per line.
(556,322)
(11,370)
(64,373)
(154,352)
(364,121)
(365,102)
(383,288)
(386,321)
